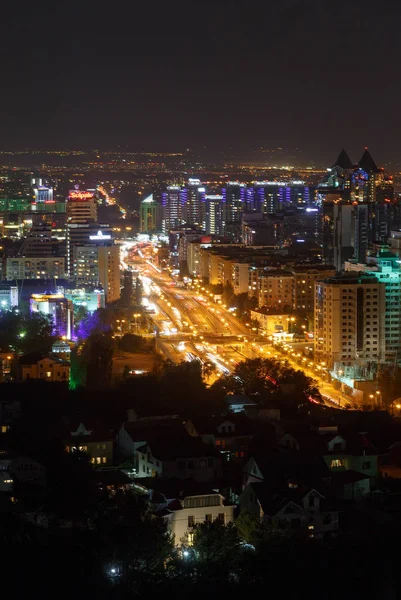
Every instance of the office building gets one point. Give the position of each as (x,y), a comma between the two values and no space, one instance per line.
(350,326)
(43,194)
(81,207)
(56,306)
(149,215)
(85,234)
(39,242)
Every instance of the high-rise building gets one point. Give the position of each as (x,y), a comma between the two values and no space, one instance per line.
(172,201)
(81,207)
(56,306)
(193,198)
(350,325)
(149,215)
(109,272)
(233,203)
(39,242)
(85,234)
(337,231)
(385,266)
(212,218)
(98,262)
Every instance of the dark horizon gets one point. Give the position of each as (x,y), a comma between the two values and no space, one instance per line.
(285,74)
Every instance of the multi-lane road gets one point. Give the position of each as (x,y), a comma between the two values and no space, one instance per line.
(191,325)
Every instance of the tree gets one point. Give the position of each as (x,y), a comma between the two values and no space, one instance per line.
(131,343)
(250,528)
(32,333)
(217,548)
(98,358)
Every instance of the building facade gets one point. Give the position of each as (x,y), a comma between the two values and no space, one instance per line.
(350,325)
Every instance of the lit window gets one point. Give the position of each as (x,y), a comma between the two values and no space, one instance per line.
(337,462)
(98,460)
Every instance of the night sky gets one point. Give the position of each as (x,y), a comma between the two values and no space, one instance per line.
(235,75)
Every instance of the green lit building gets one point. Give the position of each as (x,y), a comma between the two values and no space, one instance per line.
(149,215)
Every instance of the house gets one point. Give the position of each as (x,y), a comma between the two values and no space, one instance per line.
(183,514)
(48,368)
(349,485)
(166,448)
(21,470)
(230,434)
(95,439)
(351,452)
(291,509)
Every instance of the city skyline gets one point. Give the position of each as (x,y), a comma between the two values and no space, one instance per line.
(297,76)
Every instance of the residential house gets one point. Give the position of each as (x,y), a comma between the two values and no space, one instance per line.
(351,452)
(48,368)
(21,470)
(230,434)
(95,439)
(292,509)
(183,514)
(167,447)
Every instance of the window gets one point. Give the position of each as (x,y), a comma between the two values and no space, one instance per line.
(337,462)
(191,521)
(311,500)
(326,519)
(221,517)
(98,460)
(208,518)
(104,460)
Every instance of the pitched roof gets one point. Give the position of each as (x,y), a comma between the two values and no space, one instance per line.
(367,163)
(343,161)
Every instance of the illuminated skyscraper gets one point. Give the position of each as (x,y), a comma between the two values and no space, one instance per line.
(193,200)
(149,215)
(212,218)
(172,207)
(349,325)
(233,202)
(81,207)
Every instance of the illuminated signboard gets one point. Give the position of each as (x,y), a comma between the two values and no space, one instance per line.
(76,195)
(100,236)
